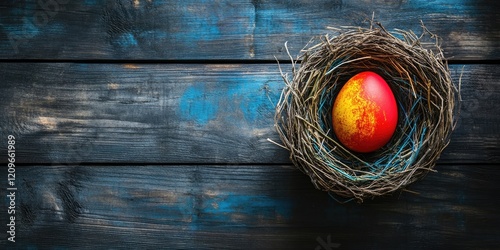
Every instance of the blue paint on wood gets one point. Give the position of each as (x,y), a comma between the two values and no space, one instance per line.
(255,97)
(272,21)
(198,104)
(150,37)
(200,23)
(90,2)
(240,101)
(262,104)
(126,40)
(228,207)
(26,29)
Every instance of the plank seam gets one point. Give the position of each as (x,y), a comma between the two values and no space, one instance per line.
(200,61)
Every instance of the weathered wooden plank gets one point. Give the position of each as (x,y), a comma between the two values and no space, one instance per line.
(232,29)
(141,113)
(192,113)
(245,206)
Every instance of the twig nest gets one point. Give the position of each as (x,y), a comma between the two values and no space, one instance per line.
(420,80)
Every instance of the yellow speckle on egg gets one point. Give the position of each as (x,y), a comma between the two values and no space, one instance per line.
(355,112)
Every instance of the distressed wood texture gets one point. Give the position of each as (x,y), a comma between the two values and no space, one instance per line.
(143,124)
(192,113)
(247,207)
(232,29)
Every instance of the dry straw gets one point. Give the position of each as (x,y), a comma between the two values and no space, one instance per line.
(418,75)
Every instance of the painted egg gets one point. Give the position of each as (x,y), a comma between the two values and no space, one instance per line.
(365,113)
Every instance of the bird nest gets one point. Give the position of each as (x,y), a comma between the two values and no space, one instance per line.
(415,69)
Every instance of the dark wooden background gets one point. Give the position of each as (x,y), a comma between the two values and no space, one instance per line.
(143,124)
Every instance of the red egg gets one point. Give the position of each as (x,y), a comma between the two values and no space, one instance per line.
(365,113)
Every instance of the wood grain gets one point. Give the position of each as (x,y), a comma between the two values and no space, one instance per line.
(246,206)
(143,124)
(192,113)
(232,29)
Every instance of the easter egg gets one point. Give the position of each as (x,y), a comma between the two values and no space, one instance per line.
(365,113)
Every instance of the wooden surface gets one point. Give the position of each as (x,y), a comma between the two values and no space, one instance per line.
(235,29)
(250,206)
(143,124)
(188,113)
